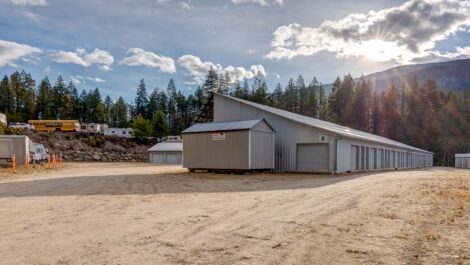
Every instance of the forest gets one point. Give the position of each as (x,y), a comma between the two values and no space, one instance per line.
(421,115)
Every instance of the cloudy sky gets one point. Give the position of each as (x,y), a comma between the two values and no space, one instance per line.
(112,44)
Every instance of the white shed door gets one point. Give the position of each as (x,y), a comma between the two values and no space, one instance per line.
(354,162)
(157,158)
(312,157)
(172,158)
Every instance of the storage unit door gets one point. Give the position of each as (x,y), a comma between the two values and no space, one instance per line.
(171,158)
(312,157)
(354,165)
(157,158)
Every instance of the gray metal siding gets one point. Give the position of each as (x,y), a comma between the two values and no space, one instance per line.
(288,133)
(262,149)
(165,157)
(364,155)
(312,157)
(201,152)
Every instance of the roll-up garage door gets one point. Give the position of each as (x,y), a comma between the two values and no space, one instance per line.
(157,158)
(312,157)
(171,158)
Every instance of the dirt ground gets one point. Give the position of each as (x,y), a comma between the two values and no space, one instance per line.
(98,213)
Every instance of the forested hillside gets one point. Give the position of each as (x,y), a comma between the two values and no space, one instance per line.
(419,113)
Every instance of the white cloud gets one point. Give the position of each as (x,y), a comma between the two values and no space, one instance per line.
(149,59)
(198,69)
(259,2)
(185,5)
(401,34)
(96,79)
(78,79)
(29,2)
(12,51)
(99,57)
(32,16)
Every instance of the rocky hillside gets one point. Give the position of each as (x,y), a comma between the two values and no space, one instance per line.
(85,147)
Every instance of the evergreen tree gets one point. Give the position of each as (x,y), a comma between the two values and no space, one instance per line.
(160,127)
(141,101)
(333,102)
(43,100)
(211,83)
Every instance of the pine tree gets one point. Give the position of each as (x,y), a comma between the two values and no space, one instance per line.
(43,100)
(333,102)
(141,100)
(302,95)
(211,84)
(160,127)
(120,114)
(322,103)
(142,128)
(311,98)
(108,109)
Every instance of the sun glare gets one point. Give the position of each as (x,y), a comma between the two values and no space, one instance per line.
(376,50)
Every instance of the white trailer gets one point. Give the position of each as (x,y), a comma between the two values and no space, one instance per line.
(38,152)
(18,145)
(120,132)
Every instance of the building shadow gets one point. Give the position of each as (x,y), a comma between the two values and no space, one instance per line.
(147,184)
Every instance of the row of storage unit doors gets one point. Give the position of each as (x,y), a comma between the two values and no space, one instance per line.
(369,158)
(165,157)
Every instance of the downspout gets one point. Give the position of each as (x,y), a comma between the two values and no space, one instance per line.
(337,138)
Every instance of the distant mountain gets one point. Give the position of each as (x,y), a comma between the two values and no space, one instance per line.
(450,75)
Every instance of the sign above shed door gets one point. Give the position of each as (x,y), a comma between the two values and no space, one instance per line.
(323,138)
(219,136)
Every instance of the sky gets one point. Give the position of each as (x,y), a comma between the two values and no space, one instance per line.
(113,44)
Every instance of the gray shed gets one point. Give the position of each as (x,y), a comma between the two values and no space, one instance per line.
(17,145)
(305,144)
(236,145)
(166,153)
(462,160)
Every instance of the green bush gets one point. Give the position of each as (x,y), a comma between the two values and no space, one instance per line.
(95,142)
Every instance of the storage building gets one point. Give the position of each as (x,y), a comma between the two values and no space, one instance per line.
(305,144)
(166,153)
(17,145)
(462,160)
(239,145)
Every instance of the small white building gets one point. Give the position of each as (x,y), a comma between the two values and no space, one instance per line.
(166,153)
(120,132)
(462,160)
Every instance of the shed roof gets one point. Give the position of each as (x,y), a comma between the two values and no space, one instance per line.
(462,155)
(224,126)
(166,147)
(327,126)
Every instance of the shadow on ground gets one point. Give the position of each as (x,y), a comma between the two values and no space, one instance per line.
(169,183)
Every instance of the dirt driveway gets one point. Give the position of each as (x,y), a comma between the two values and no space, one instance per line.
(144,214)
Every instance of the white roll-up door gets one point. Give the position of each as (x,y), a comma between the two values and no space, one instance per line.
(312,157)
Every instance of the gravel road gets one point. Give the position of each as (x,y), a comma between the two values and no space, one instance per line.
(132,213)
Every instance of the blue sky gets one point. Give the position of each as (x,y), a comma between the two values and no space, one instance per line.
(113,44)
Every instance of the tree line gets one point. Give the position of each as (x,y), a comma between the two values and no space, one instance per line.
(421,115)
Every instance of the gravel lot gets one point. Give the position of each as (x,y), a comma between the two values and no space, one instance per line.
(132,213)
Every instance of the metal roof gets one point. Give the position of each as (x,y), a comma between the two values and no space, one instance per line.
(327,126)
(166,147)
(462,155)
(222,126)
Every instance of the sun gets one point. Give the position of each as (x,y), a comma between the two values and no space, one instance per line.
(375,50)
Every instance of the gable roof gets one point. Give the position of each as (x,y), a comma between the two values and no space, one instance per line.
(162,147)
(327,126)
(224,126)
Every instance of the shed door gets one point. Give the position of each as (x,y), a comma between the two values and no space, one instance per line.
(172,158)
(354,162)
(312,157)
(157,158)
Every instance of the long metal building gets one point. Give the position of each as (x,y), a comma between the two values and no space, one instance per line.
(304,144)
